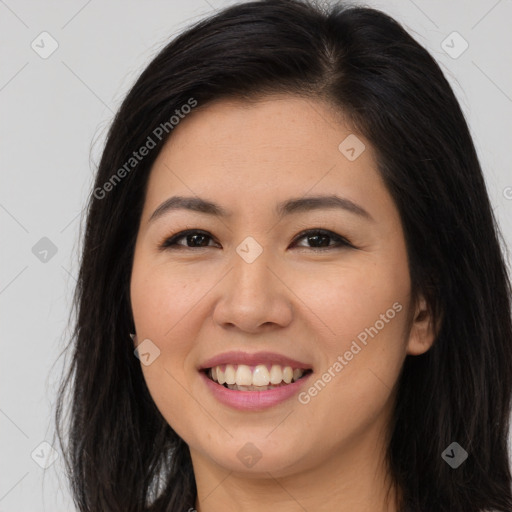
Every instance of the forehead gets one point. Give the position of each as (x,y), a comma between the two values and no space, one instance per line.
(252,154)
(272,121)
(261,142)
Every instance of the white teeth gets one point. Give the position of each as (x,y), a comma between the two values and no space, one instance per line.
(276,374)
(243,375)
(259,377)
(230,374)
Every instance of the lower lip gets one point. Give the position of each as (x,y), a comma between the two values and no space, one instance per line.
(253,400)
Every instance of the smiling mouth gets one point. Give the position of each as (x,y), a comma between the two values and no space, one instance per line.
(261,377)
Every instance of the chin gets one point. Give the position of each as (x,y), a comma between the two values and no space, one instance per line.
(256,456)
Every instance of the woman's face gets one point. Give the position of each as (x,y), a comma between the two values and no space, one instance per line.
(247,283)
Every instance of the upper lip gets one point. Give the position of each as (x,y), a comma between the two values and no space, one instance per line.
(252,359)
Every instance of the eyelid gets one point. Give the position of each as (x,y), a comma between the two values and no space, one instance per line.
(168,242)
(165,242)
(342,241)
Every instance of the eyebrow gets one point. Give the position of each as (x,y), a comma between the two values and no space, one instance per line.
(288,207)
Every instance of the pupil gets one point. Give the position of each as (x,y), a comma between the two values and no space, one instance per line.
(194,237)
(325,237)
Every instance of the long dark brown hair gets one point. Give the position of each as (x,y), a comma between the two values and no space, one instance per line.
(120,452)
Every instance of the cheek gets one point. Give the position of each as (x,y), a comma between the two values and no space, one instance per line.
(348,301)
(163,303)
(361,338)
(162,298)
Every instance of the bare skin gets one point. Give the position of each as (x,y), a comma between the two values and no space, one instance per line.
(298,298)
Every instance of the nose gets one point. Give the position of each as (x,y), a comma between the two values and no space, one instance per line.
(253,297)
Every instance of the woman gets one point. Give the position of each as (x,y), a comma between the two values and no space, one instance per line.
(292,292)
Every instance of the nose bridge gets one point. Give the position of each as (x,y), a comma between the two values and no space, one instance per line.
(252,295)
(252,277)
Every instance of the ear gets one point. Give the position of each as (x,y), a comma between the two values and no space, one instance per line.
(422,334)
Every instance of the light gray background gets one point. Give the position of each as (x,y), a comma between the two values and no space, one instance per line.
(53,109)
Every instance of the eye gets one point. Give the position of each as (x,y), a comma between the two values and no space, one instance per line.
(195,236)
(320,239)
(198,239)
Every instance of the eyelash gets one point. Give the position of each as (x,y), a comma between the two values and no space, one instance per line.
(170,243)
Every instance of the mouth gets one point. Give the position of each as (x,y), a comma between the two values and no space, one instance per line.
(260,377)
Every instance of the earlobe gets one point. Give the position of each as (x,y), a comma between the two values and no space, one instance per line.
(422,334)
